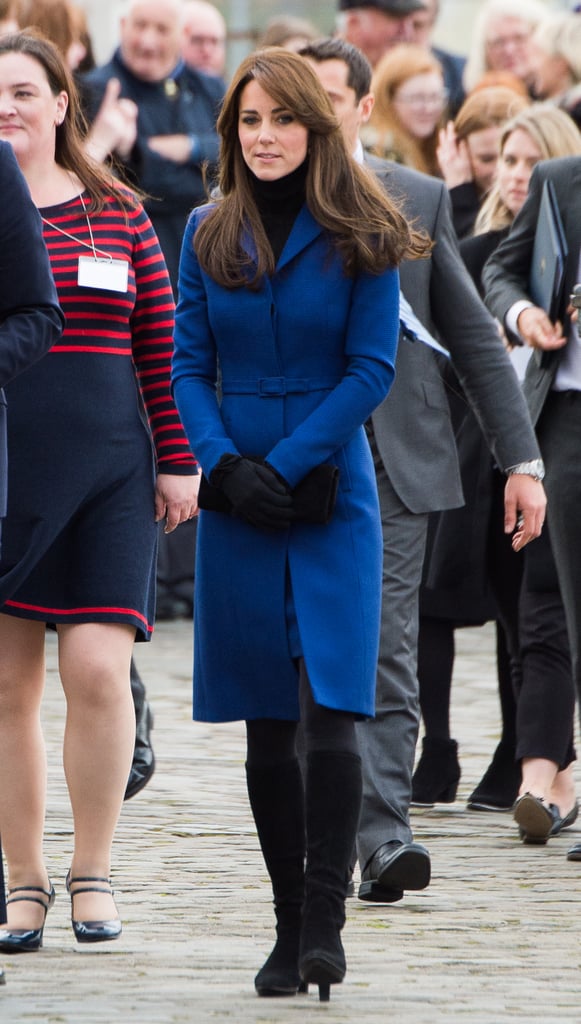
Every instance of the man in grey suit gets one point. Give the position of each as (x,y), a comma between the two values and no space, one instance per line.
(553,379)
(415,457)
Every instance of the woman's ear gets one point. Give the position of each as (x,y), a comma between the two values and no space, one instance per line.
(62,103)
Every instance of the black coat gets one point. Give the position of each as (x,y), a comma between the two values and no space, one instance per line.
(30,316)
(455,574)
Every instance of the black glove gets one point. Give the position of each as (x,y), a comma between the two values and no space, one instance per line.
(256,491)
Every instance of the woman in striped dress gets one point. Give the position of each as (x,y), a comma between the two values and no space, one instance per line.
(86,487)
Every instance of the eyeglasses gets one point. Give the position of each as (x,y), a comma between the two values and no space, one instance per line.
(503,42)
(206,41)
(424,99)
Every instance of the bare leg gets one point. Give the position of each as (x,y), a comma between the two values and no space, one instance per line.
(22,762)
(538,776)
(542,778)
(94,662)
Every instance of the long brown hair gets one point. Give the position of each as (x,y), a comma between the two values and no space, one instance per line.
(69,140)
(344,198)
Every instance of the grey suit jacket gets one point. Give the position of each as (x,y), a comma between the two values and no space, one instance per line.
(413,426)
(506,275)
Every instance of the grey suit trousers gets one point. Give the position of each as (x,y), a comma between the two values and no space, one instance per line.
(387,742)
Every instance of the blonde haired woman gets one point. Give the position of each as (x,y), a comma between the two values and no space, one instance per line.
(410,101)
(549,132)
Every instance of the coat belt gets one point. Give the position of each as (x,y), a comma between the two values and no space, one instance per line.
(274,387)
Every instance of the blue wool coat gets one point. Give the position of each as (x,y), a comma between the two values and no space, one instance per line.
(304,360)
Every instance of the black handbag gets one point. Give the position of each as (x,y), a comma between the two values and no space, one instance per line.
(314,496)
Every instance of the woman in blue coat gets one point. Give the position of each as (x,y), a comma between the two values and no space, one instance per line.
(287,284)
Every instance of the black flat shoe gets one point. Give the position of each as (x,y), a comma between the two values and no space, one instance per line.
(536,819)
(575,852)
(567,821)
(93,931)
(393,868)
(26,940)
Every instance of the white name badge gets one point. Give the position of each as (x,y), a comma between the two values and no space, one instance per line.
(110,275)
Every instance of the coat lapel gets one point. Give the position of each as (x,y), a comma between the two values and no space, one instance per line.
(303,231)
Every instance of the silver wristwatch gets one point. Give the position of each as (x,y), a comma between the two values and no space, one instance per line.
(534,468)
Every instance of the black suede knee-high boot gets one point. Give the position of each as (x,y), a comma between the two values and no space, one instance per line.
(277,800)
(333,804)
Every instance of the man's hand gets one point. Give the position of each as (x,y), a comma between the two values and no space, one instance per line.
(172,147)
(176,499)
(525,503)
(537,330)
(115,126)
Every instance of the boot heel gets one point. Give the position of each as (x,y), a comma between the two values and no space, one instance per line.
(324,993)
(303,988)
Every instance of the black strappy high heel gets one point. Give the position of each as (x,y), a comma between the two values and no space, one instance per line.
(93,931)
(26,940)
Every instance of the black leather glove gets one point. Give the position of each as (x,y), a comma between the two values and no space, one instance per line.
(256,491)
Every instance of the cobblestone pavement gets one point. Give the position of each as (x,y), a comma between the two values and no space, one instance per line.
(494,939)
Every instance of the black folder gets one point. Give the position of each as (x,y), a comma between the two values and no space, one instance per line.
(549,255)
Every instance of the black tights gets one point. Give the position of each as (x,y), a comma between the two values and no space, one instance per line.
(272,741)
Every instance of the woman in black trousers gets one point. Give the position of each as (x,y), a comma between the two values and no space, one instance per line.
(538,701)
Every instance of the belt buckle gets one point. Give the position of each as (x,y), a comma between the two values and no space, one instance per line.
(271,386)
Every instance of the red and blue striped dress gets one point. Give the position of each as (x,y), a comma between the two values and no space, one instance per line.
(79,541)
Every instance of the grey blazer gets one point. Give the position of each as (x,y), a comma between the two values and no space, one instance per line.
(506,274)
(413,427)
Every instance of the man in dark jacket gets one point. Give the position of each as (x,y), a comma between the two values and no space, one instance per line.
(176,121)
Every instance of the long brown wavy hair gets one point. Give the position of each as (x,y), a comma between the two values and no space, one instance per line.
(70,134)
(344,198)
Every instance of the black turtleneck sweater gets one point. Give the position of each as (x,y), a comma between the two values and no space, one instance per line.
(278,204)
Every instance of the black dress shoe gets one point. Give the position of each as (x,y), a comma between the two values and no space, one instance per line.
(143,765)
(395,866)
(575,852)
(93,931)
